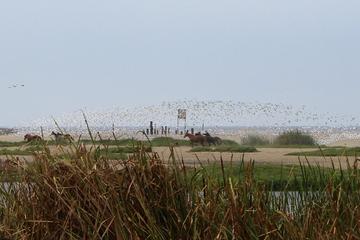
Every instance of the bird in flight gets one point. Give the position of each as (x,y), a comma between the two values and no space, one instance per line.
(16,85)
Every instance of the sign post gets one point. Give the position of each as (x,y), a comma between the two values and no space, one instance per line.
(181,116)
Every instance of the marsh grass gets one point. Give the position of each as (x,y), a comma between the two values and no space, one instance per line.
(86,196)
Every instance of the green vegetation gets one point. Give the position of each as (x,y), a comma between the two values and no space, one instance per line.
(168,141)
(155,142)
(224,148)
(330,152)
(255,140)
(274,177)
(11,144)
(294,138)
(21,152)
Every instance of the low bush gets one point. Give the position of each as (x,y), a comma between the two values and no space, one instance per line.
(294,137)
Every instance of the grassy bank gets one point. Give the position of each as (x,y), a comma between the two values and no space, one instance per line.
(330,152)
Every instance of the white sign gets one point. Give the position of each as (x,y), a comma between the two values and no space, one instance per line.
(182,114)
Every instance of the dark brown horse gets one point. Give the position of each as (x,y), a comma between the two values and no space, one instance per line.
(196,139)
(31,137)
(212,140)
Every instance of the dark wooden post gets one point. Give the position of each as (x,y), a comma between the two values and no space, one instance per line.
(151,128)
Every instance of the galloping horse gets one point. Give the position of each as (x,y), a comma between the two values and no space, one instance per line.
(60,137)
(30,138)
(212,140)
(196,139)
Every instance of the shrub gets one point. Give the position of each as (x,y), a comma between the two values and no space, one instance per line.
(294,137)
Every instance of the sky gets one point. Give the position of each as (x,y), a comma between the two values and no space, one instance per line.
(88,54)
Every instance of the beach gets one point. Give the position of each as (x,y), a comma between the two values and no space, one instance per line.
(263,155)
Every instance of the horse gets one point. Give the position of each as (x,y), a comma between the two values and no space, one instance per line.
(196,139)
(60,136)
(30,137)
(212,140)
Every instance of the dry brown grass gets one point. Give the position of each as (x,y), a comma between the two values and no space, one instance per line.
(87,197)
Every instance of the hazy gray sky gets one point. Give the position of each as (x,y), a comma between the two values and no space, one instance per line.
(85,53)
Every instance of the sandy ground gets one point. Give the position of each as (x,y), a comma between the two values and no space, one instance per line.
(265,155)
(11,138)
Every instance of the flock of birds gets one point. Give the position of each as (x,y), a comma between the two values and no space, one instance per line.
(224,116)
(16,86)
